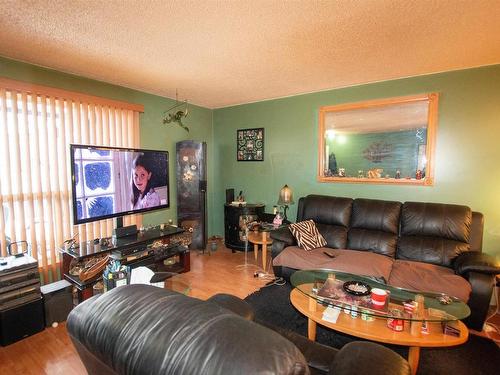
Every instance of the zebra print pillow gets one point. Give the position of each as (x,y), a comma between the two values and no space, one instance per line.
(307,235)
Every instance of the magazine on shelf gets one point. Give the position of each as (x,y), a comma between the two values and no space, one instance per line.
(333,292)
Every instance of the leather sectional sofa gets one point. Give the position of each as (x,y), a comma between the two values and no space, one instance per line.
(141,329)
(418,246)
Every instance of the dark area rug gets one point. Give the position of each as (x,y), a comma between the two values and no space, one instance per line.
(478,355)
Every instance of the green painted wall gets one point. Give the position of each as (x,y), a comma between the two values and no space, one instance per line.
(154,135)
(467,150)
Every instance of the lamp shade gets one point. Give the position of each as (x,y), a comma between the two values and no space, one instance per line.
(286,196)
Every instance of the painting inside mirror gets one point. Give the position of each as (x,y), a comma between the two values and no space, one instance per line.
(385,141)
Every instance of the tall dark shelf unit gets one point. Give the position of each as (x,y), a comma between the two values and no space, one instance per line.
(234,217)
(191,161)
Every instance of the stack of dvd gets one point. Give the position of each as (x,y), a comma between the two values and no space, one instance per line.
(21,308)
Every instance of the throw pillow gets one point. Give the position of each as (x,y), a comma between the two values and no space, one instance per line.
(307,235)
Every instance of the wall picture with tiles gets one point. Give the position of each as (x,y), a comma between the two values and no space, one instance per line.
(250,144)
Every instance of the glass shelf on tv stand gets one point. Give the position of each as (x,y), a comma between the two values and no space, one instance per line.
(310,282)
(98,246)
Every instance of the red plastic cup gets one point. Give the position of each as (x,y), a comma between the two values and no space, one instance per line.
(379,296)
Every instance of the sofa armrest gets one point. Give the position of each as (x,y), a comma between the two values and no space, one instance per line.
(281,238)
(479,300)
(360,357)
(319,357)
(283,235)
(357,357)
(474,261)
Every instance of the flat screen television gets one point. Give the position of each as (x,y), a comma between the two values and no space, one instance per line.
(112,182)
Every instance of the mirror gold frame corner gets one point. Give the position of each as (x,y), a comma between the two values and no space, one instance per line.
(372,112)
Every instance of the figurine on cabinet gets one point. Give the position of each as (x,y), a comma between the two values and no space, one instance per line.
(375,173)
(240,197)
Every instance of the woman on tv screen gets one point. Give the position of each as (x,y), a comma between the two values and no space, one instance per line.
(143,193)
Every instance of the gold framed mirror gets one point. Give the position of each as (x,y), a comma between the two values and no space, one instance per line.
(385,141)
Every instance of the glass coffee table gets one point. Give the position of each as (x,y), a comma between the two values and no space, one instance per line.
(178,283)
(350,309)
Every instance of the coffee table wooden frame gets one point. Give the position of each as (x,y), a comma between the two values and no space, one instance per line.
(376,330)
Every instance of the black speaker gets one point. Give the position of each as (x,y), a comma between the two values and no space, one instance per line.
(229,196)
(125,231)
(57,301)
(21,321)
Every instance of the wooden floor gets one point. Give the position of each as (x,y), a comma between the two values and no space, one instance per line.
(51,351)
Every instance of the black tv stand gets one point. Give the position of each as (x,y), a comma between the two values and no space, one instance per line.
(133,250)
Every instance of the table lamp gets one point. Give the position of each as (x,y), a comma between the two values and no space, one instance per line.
(285,199)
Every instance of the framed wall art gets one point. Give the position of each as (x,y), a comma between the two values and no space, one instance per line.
(381,141)
(250,144)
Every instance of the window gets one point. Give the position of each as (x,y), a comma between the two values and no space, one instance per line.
(37,125)
(94,186)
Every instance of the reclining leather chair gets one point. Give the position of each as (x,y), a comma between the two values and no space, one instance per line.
(140,329)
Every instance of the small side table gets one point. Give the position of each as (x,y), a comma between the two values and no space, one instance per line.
(263,239)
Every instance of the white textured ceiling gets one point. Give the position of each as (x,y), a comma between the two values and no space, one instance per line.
(220,53)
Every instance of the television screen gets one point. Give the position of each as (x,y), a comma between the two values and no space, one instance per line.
(109,182)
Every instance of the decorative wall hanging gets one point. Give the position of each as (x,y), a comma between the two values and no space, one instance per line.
(250,144)
(177,116)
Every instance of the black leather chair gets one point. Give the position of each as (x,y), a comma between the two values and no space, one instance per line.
(140,329)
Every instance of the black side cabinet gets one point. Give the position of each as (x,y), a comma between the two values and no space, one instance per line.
(235,220)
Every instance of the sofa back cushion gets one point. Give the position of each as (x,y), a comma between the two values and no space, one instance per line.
(331,215)
(374,226)
(141,329)
(433,232)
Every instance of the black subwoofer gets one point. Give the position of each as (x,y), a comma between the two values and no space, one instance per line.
(57,301)
(21,321)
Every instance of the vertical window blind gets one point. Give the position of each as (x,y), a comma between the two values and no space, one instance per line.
(37,125)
